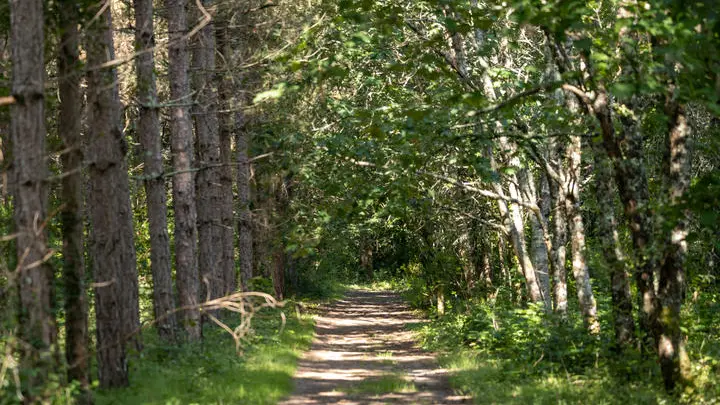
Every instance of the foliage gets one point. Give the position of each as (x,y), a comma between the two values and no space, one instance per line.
(212,372)
(503,354)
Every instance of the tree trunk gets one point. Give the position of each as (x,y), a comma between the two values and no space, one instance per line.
(624,323)
(27,128)
(674,361)
(366,258)
(626,154)
(245,228)
(113,250)
(207,187)
(278,272)
(560,227)
(517,228)
(581,273)
(225,90)
(538,248)
(186,266)
(149,132)
(69,130)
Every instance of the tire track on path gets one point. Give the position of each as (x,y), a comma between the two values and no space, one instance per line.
(363,354)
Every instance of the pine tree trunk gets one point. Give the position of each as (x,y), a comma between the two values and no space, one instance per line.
(674,361)
(624,323)
(149,133)
(245,228)
(69,130)
(225,90)
(183,181)
(113,250)
(207,186)
(581,273)
(27,128)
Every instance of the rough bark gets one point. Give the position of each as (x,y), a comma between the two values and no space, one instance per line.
(282,206)
(207,186)
(112,247)
(245,228)
(27,128)
(581,273)
(69,130)
(623,321)
(225,90)
(149,134)
(625,151)
(183,181)
(674,361)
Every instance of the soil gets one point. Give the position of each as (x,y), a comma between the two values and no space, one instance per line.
(365,354)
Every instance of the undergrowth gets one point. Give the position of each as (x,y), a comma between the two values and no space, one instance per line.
(212,372)
(499,353)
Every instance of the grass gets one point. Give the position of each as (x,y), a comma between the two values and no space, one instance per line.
(212,372)
(493,380)
(500,355)
(384,384)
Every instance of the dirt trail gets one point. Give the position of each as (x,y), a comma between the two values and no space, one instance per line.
(363,354)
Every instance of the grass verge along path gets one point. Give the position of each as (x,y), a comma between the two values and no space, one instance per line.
(212,372)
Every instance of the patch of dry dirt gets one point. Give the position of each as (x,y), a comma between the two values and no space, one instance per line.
(361,340)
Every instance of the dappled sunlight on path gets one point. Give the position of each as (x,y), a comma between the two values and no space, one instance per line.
(363,354)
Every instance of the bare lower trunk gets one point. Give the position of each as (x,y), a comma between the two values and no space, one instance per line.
(183,181)
(69,130)
(538,248)
(626,154)
(581,273)
(366,259)
(113,250)
(245,228)
(278,271)
(674,361)
(559,254)
(225,91)
(610,244)
(149,133)
(281,207)
(517,233)
(27,128)
(210,241)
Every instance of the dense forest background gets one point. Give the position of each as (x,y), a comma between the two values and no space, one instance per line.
(540,176)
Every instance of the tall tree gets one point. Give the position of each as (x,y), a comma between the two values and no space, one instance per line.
(183,180)
(69,130)
(27,127)
(244,224)
(112,247)
(624,324)
(674,361)
(581,273)
(205,114)
(227,85)
(149,133)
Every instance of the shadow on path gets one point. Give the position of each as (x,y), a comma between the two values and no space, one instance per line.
(361,349)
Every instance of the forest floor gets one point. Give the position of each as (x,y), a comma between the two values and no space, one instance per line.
(364,354)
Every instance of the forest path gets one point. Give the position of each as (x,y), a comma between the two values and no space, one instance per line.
(363,354)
